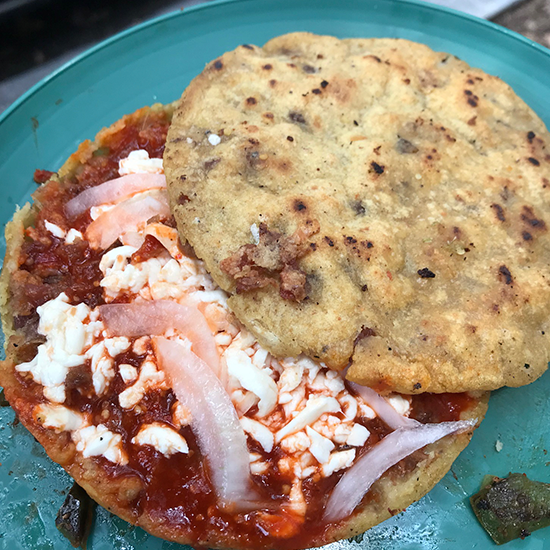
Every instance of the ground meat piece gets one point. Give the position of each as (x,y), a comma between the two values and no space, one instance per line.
(273,259)
(292,284)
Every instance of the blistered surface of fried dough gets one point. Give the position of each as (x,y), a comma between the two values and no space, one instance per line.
(431,184)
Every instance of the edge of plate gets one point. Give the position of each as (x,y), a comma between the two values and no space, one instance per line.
(214,4)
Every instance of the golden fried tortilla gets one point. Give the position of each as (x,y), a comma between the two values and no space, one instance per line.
(371,200)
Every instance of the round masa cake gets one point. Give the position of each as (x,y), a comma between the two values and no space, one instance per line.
(106,405)
(371,201)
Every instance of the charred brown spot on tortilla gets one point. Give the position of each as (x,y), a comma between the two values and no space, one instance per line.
(218,65)
(425,273)
(499,211)
(297,117)
(316,91)
(324,84)
(267,67)
(504,275)
(376,168)
(528,216)
(365,332)
(472,121)
(531,136)
(273,261)
(533,161)
(358,207)
(289,138)
(247,46)
(309,69)
(405,147)
(299,205)
(273,83)
(329,241)
(251,101)
(209,164)
(270,116)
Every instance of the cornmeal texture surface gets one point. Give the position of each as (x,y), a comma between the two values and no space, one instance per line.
(372,201)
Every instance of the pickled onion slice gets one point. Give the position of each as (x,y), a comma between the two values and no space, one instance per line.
(155,317)
(113,191)
(215,423)
(397,445)
(382,408)
(128,215)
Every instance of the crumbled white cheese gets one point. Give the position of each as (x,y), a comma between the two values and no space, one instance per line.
(290,378)
(321,447)
(293,401)
(338,461)
(259,432)
(296,442)
(214,139)
(139,162)
(252,378)
(259,468)
(349,405)
(102,367)
(55,230)
(99,441)
(498,445)
(181,416)
(117,345)
(314,408)
(400,404)
(163,438)
(365,411)
(73,235)
(58,417)
(102,364)
(358,436)
(68,337)
(141,345)
(157,278)
(128,373)
(149,378)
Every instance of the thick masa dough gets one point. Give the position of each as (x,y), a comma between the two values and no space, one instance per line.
(431,184)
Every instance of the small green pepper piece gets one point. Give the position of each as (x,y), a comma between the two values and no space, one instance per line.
(74,518)
(512,507)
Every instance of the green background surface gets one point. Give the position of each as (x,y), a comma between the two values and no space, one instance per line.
(154,62)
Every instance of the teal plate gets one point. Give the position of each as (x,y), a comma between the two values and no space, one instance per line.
(154,62)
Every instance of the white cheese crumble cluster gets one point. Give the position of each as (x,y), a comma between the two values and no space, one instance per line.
(294,403)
